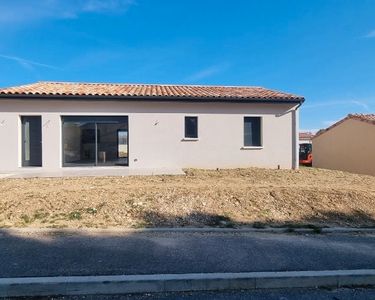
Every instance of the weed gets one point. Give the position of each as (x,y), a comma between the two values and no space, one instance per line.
(26,219)
(75,215)
(40,214)
(91,210)
(56,226)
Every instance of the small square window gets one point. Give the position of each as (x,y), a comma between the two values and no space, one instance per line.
(191,127)
(252,132)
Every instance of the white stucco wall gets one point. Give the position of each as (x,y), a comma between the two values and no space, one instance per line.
(305,141)
(156,132)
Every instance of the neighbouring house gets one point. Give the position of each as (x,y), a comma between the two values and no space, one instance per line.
(348,145)
(305,137)
(50,126)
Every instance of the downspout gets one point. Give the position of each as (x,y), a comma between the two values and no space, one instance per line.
(295,137)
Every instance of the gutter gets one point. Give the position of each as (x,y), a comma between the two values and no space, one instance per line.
(299,104)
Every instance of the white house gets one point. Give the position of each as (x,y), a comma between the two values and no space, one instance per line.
(305,137)
(54,126)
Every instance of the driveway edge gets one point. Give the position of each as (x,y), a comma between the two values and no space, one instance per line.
(156,283)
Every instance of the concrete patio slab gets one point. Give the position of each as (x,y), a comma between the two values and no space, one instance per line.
(90,171)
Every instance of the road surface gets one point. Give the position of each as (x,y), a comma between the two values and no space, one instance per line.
(114,253)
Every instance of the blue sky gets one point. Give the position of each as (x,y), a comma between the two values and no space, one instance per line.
(321,49)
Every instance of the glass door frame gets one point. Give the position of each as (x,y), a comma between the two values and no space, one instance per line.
(38,145)
(95,123)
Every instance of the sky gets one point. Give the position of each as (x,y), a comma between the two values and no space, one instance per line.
(323,50)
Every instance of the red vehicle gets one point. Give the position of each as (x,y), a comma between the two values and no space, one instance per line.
(305,154)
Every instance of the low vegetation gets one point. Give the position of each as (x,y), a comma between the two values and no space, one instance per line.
(224,198)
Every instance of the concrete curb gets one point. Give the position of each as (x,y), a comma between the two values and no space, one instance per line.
(120,230)
(125,284)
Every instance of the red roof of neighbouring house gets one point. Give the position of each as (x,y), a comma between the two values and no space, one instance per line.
(305,135)
(108,90)
(368,118)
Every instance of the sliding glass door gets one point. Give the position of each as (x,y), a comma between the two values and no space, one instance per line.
(112,147)
(95,141)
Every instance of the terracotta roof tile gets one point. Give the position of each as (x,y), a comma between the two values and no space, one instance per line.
(368,118)
(363,117)
(306,135)
(145,90)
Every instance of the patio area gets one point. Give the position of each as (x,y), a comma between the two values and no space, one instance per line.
(89,171)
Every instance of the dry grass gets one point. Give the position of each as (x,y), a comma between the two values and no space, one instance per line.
(201,198)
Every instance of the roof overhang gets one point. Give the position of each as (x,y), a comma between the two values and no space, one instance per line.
(152,98)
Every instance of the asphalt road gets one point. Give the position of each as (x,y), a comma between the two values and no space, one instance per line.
(113,253)
(284,294)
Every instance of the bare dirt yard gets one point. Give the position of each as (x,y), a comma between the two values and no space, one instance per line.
(225,198)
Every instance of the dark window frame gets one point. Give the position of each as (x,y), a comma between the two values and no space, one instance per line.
(96,119)
(37,160)
(191,134)
(259,142)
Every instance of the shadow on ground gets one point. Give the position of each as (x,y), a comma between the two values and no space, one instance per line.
(321,219)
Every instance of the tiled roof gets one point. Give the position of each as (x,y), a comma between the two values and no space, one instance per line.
(108,90)
(306,135)
(362,117)
(368,118)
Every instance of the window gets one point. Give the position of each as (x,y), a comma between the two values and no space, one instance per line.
(95,140)
(252,132)
(191,127)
